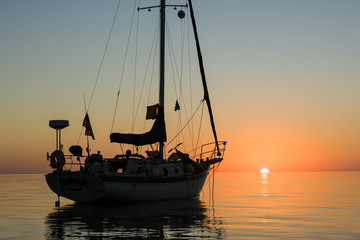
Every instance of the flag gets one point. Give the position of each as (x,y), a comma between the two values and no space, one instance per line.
(177,106)
(151,112)
(87,125)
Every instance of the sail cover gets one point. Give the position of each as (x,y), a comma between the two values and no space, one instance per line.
(156,134)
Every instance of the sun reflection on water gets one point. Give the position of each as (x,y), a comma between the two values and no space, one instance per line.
(264,183)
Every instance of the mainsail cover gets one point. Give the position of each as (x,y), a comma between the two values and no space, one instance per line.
(156,134)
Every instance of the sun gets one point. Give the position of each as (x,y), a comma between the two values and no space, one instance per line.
(264,170)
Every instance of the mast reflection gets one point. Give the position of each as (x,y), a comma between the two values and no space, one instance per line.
(186,219)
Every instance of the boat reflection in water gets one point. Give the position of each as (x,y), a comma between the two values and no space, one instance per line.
(186,219)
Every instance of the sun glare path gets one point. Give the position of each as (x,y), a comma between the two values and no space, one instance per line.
(264,170)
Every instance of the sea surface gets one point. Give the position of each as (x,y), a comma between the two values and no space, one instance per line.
(291,205)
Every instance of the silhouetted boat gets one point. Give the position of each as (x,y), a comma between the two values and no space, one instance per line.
(132,176)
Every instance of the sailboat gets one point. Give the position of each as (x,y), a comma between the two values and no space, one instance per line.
(132,176)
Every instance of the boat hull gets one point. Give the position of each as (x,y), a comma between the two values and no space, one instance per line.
(75,186)
(87,188)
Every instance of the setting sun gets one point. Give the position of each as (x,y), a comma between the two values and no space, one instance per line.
(264,170)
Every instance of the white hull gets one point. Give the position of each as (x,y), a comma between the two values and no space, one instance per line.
(86,188)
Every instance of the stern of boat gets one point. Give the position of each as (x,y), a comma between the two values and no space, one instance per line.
(76,186)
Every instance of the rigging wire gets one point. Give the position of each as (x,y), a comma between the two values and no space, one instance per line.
(172,58)
(191,128)
(198,138)
(104,54)
(135,72)
(189,66)
(156,37)
(100,67)
(153,61)
(180,94)
(173,65)
(201,102)
(123,67)
(182,35)
(203,77)
(179,73)
(146,73)
(152,56)
(175,73)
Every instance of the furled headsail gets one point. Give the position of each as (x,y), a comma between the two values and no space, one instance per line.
(202,72)
(156,134)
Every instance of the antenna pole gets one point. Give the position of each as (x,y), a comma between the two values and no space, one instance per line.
(88,147)
(57,139)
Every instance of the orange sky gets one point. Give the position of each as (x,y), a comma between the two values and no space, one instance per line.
(283,78)
(281,148)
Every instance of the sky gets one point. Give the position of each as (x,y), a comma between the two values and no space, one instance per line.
(283,77)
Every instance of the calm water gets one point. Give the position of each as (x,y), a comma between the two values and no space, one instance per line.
(314,205)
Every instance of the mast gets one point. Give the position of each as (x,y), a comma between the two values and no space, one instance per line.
(157,134)
(162,65)
(161,116)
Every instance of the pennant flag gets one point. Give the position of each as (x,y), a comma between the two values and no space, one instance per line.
(87,125)
(152,111)
(177,106)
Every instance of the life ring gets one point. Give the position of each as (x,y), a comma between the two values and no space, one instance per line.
(57,159)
